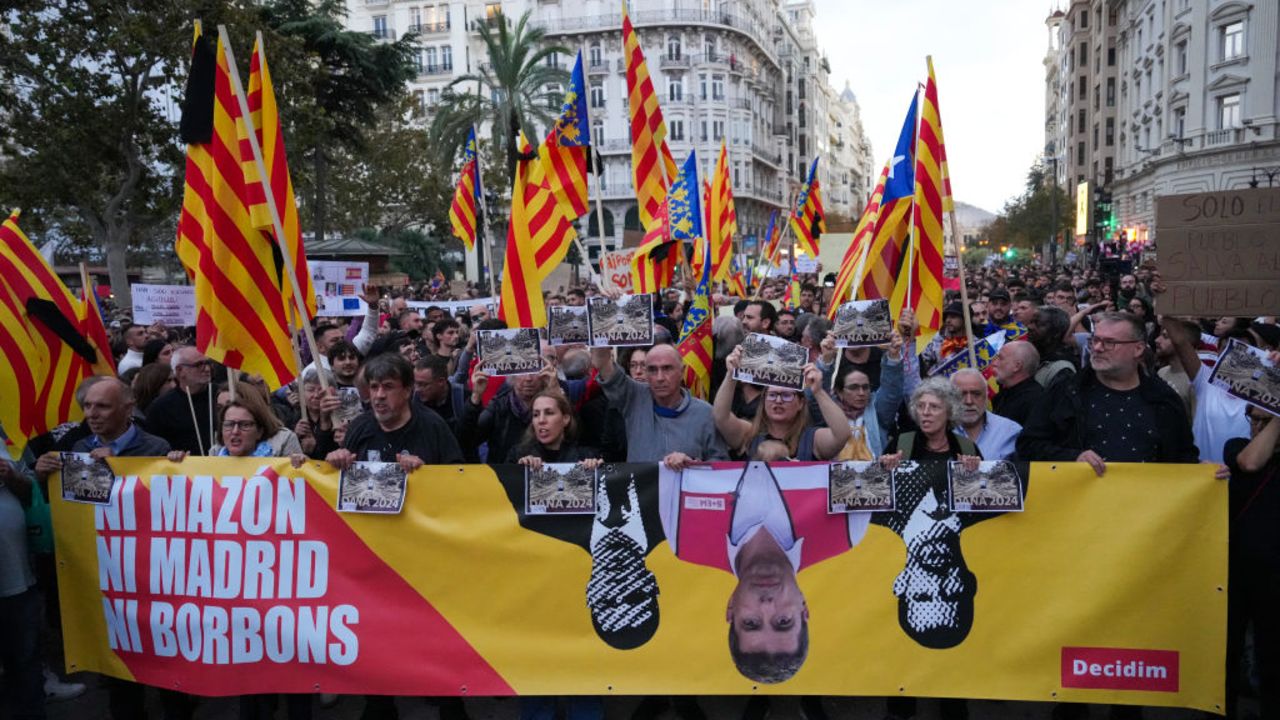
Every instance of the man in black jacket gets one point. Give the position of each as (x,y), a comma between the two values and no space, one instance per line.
(1015,365)
(1110,411)
(187,424)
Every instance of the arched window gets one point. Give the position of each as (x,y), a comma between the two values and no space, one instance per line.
(593,224)
(674,49)
(631,221)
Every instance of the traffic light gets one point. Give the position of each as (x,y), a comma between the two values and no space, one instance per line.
(1104,221)
(1010,253)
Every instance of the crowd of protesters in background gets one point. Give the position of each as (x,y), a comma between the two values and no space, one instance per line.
(1088,372)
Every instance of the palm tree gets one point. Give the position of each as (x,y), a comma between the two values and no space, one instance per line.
(513,86)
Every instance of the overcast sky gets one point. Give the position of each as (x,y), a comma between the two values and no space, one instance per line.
(987,56)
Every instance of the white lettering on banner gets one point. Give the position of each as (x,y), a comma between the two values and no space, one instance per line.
(241,551)
(1118,669)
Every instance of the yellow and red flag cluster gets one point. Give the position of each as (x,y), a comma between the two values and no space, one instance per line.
(808,220)
(464,209)
(855,255)
(722,217)
(48,342)
(652,165)
(564,154)
(226,237)
(538,237)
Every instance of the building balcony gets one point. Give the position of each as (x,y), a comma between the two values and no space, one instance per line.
(1226,136)
(438,69)
(383,34)
(680,16)
(598,67)
(673,61)
(765,156)
(613,147)
(429,28)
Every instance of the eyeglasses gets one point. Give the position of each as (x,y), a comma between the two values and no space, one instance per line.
(1108,344)
(241,425)
(199,365)
(785,396)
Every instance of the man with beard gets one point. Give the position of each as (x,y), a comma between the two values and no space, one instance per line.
(999,305)
(763,524)
(786,328)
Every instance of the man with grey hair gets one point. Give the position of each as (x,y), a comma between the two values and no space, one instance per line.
(1015,367)
(184,415)
(994,434)
(1110,411)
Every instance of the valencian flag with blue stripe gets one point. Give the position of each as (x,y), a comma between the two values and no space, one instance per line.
(695,345)
(463,211)
(680,220)
(809,221)
(564,154)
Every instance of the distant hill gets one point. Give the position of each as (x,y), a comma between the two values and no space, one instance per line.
(972,216)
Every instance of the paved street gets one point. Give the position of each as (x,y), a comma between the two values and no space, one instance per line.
(92,706)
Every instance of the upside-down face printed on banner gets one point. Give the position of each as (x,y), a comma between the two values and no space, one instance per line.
(232,576)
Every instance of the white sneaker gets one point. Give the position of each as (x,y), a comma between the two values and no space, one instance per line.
(55,690)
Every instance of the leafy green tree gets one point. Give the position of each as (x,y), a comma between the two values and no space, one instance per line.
(422,255)
(89,150)
(513,89)
(332,82)
(1027,220)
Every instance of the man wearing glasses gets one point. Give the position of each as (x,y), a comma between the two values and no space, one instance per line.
(1112,410)
(184,415)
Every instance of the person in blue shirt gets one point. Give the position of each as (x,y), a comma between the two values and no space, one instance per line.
(995,435)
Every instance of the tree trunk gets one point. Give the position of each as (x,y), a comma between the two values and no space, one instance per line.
(321,200)
(117,246)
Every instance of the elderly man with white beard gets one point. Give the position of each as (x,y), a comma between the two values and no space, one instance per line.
(995,435)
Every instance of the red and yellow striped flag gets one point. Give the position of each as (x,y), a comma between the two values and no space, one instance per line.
(808,220)
(846,278)
(238,271)
(564,154)
(652,166)
(925,285)
(45,353)
(773,236)
(463,211)
(538,237)
(653,266)
(264,117)
(722,217)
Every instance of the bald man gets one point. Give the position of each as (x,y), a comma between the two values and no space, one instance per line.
(664,422)
(108,411)
(1015,366)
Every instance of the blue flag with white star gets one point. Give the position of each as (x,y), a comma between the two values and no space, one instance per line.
(901,181)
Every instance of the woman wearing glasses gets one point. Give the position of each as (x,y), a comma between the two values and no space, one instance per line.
(782,416)
(245,428)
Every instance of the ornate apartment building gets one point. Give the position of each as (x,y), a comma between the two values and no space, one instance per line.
(748,72)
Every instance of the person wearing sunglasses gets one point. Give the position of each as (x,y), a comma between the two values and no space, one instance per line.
(784,416)
(1112,410)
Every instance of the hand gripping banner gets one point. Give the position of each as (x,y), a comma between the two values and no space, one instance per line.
(233,576)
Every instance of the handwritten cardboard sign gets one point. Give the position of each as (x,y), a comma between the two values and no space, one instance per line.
(1219,253)
(615,269)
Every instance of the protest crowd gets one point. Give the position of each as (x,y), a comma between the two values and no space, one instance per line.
(1087,373)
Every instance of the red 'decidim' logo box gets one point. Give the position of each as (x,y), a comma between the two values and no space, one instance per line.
(1120,669)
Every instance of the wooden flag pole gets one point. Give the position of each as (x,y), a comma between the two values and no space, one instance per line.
(599,169)
(297,357)
(481,227)
(964,291)
(276,223)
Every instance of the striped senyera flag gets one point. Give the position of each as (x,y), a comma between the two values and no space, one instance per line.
(722,217)
(464,209)
(264,117)
(44,352)
(652,166)
(926,266)
(893,219)
(772,239)
(242,296)
(808,221)
(538,237)
(853,255)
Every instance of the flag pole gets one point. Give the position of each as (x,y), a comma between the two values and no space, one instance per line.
(911,234)
(599,168)
(481,227)
(276,222)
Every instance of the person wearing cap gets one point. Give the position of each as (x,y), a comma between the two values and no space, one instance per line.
(951,340)
(999,304)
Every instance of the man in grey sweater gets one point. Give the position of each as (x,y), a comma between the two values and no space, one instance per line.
(664,423)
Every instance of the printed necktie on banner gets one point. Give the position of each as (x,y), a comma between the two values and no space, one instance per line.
(464,211)
(564,154)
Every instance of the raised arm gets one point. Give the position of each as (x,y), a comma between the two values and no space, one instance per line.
(735,431)
(829,440)
(1183,345)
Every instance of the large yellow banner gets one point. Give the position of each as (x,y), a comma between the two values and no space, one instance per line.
(231,576)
